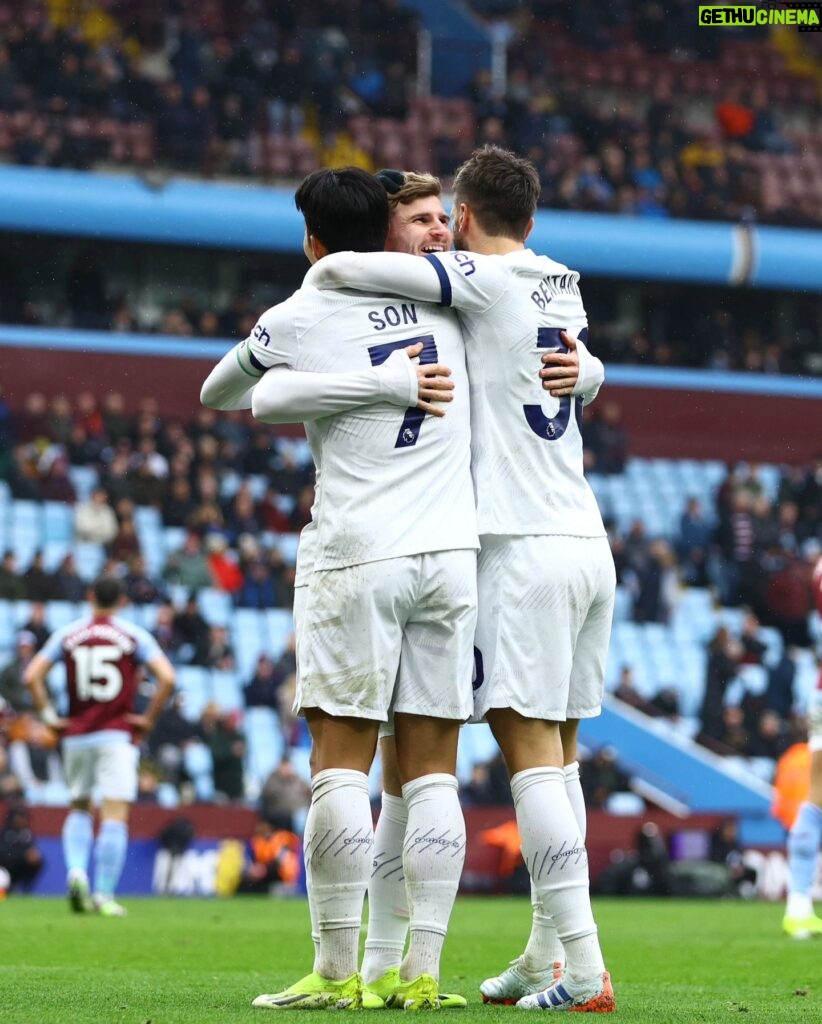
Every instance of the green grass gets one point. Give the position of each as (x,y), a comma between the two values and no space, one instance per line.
(197,961)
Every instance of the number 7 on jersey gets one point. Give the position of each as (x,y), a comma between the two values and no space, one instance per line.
(412,421)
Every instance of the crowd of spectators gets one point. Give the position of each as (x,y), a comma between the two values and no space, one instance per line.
(751,552)
(278,89)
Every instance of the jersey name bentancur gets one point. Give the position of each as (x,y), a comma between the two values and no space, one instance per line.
(392,482)
(527,457)
(103,656)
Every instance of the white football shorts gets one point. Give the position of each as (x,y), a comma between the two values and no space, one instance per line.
(106,768)
(815,718)
(395,635)
(546,605)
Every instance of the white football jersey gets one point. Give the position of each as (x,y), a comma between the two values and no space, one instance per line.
(391,482)
(526,446)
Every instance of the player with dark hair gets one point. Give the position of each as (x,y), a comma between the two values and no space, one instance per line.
(386,619)
(546,574)
(103,655)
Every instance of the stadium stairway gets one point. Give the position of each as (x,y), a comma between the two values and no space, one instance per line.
(681,776)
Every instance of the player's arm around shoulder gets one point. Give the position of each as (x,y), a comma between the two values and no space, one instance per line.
(470,282)
(380,273)
(296,396)
(231,383)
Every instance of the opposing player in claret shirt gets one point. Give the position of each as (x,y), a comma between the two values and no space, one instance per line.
(546,576)
(805,836)
(103,655)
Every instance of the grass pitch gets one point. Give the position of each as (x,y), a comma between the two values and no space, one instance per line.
(203,961)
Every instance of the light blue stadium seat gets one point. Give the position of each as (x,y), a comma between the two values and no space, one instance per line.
(199,765)
(89,559)
(21,612)
(288,543)
(84,479)
(754,678)
(257,485)
(174,538)
(623,604)
(625,804)
(25,542)
(300,759)
(59,613)
(249,638)
(280,623)
(168,795)
(265,742)
(194,684)
(772,638)
(58,521)
(476,746)
(230,484)
(226,690)
(27,513)
(215,606)
(54,551)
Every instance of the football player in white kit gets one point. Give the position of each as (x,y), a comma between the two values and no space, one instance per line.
(390,608)
(546,575)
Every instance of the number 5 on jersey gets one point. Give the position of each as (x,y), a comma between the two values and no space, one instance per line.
(412,421)
(551,428)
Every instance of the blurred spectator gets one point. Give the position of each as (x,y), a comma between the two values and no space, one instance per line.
(225,572)
(36,623)
(724,653)
(19,853)
(726,849)
(606,441)
(188,566)
(95,520)
(193,631)
(779,695)
(55,483)
(788,599)
(169,738)
(262,690)
(139,585)
(38,582)
(285,795)
(224,739)
(275,860)
(695,534)
(12,689)
(219,652)
(12,587)
(68,584)
(601,776)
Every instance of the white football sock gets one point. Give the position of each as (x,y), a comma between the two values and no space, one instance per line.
(309,887)
(433,855)
(557,861)
(339,838)
(573,787)
(387,897)
(544,948)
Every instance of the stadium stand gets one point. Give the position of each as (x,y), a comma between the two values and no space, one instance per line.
(622,116)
